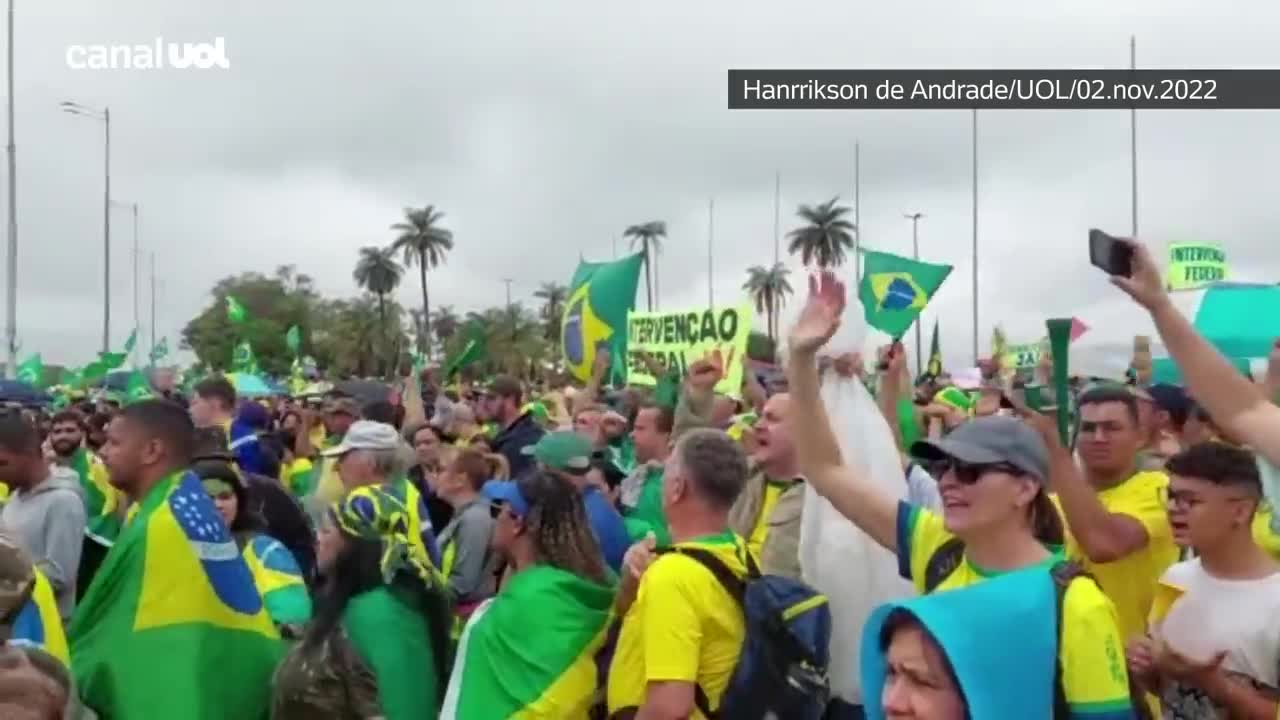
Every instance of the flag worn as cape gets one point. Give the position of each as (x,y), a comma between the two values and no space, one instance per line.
(595,314)
(895,289)
(279,579)
(172,625)
(38,624)
(507,666)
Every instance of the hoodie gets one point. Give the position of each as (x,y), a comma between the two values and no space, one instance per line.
(48,521)
(999,636)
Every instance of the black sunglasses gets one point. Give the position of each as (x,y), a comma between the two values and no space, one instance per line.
(971,473)
(495,509)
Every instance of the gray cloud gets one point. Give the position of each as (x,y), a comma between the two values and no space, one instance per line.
(543,130)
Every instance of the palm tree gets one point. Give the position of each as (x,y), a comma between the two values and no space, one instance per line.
(446,322)
(552,296)
(378,272)
(424,243)
(826,236)
(769,289)
(649,236)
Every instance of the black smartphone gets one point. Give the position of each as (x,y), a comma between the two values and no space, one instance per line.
(1110,254)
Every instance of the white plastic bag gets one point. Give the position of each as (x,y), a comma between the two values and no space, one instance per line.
(836,558)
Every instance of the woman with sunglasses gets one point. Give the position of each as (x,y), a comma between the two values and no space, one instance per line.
(996,514)
(378,644)
(531,650)
(275,570)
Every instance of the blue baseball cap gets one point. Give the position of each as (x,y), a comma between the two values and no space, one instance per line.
(506,491)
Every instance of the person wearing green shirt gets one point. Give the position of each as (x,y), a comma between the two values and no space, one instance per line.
(641,491)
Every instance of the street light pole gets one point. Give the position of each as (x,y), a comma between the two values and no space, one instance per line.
(915,254)
(105,116)
(11,290)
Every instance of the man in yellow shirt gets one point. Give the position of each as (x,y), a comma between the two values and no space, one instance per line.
(682,631)
(1118,528)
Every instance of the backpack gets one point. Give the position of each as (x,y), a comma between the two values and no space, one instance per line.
(948,557)
(782,669)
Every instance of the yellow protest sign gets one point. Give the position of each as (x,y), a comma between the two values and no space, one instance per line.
(686,336)
(1024,355)
(1194,264)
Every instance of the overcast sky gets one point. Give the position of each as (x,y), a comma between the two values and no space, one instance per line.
(544,129)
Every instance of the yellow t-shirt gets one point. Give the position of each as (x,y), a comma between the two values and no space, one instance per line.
(1131,581)
(1266,538)
(1091,654)
(683,626)
(772,491)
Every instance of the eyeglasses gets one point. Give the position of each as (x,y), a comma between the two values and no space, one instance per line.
(1184,500)
(971,473)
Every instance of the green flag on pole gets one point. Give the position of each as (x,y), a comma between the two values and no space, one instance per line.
(242,359)
(138,387)
(160,351)
(293,339)
(895,289)
(133,340)
(31,370)
(934,368)
(235,311)
(112,360)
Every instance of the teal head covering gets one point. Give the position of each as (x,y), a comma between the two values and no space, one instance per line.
(1000,637)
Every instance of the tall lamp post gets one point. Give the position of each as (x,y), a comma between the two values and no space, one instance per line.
(105,116)
(11,270)
(915,254)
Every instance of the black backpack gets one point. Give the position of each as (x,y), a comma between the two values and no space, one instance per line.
(950,555)
(782,669)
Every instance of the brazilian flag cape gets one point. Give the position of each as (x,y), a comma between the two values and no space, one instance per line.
(172,625)
(510,667)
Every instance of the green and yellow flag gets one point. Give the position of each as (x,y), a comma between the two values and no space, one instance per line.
(133,340)
(895,289)
(31,371)
(160,351)
(101,500)
(595,314)
(293,339)
(138,387)
(172,620)
(243,360)
(235,311)
(934,367)
(509,667)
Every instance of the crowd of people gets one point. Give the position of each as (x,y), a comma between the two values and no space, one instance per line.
(513,549)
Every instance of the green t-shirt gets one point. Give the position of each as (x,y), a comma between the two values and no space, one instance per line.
(647,515)
(391,638)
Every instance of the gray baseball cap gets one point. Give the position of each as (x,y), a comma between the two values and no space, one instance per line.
(988,440)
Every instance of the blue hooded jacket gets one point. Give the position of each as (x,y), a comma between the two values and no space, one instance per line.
(999,635)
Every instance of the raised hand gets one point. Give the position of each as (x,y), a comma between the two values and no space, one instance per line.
(820,317)
(704,374)
(1145,284)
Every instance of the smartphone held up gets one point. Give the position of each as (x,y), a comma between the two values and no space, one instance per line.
(1110,254)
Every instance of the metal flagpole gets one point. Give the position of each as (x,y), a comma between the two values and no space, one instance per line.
(777,216)
(1133,140)
(857,221)
(137,316)
(153,308)
(11,274)
(975,236)
(711,239)
(106,231)
(915,255)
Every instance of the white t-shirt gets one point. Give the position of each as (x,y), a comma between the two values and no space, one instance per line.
(1211,615)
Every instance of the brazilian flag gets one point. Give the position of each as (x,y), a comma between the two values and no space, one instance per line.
(934,368)
(600,296)
(172,625)
(895,289)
